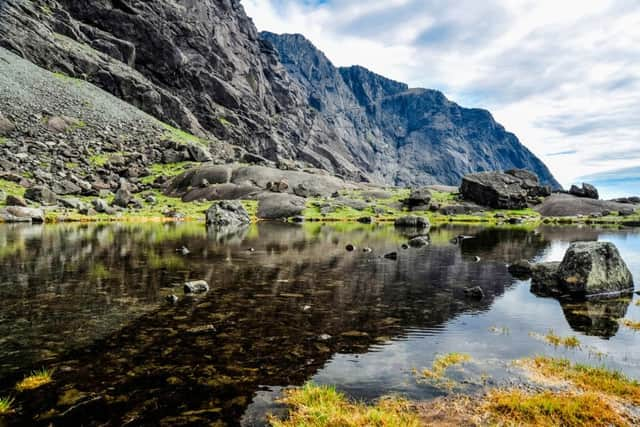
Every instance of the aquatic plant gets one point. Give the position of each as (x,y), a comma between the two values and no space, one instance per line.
(515,407)
(556,340)
(6,405)
(323,406)
(35,380)
(631,324)
(442,363)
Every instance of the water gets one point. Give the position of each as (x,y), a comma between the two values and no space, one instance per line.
(88,302)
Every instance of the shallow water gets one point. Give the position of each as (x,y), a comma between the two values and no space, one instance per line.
(88,301)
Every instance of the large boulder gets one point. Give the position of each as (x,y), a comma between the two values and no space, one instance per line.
(594,268)
(568,205)
(419,199)
(41,194)
(412,222)
(280,206)
(587,191)
(227,213)
(508,190)
(21,214)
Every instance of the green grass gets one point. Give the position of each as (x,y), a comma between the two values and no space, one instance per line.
(168,170)
(224,122)
(180,136)
(556,340)
(35,380)
(323,406)
(6,405)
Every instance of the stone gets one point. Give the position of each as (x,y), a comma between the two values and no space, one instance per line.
(199,153)
(278,186)
(6,126)
(123,196)
(21,214)
(101,206)
(587,191)
(72,203)
(592,268)
(520,269)
(172,299)
(12,200)
(196,287)
(280,206)
(227,213)
(392,256)
(350,248)
(500,190)
(474,292)
(419,241)
(419,199)
(544,278)
(42,195)
(412,221)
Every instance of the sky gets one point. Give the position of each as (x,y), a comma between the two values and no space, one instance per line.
(563,75)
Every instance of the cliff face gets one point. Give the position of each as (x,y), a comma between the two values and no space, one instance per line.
(417,136)
(201,65)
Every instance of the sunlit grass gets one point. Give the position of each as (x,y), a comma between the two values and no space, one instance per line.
(517,408)
(35,380)
(168,170)
(443,362)
(556,340)
(631,324)
(323,406)
(6,405)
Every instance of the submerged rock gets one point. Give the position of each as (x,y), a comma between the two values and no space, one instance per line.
(419,242)
(475,292)
(197,287)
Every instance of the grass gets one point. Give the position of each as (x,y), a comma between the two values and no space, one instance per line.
(631,324)
(168,170)
(180,136)
(35,380)
(588,378)
(3,140)
(323,406)
(517,408)
(6,405)
(224,122)
(556,340)
(444,362)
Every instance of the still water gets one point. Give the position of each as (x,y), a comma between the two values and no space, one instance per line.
(287,304)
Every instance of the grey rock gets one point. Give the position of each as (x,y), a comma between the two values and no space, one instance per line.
(544,279)
(21,214)
(593,268)
(474,292)
(561,205)
(227,214)
(419,241)
(511,190)
(280,206)
(587,190)
(419,199)
(520,269)
(101,206)
(72,203)
(42,195)
(12,200)
(196,287)
(123,196)
(199,153)
(172,299)
(6,126)
(412,222)
(3,196)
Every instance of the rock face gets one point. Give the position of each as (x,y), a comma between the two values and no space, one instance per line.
(399,135)
(509,190)
(227,214)
(588,268)
(588,191)
(593,268)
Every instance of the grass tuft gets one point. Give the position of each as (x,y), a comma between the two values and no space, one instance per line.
(35,380)
(442,363)
(323,406)
(556,340)
(515,407)
(631,324)
(6,405)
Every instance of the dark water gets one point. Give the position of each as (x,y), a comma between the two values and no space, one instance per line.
(88,302)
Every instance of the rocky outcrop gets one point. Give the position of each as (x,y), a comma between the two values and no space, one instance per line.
(587,190)
(229,214)
(509,190)
(399,135)
(21,214)
(559,205)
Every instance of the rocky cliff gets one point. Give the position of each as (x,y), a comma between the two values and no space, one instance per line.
(417,136)
(202,66)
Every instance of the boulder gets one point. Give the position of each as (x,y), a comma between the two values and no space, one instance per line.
(6,126)
(587,191)
(520,269)
(412,221)
(419,199)
(568,205)
(196,287)
(544,278)
(508,190)
(474,292)
(594,268)
(221,192)
(21,214)
(123,196)
(280,206)
(227,213)
(42,195)
(199,153)
(12,200)
(419,242)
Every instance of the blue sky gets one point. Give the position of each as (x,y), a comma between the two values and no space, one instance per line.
(563,75)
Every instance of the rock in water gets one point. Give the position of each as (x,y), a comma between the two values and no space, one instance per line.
(419,242)
(587,191)
(544,279)
(412,221)
(475,292)
(520,269)
(227,213)
(594,268)
(197,287)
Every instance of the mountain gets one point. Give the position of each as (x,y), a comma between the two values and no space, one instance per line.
(419,136)
(202,66)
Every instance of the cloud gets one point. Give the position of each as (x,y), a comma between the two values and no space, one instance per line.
(563,76)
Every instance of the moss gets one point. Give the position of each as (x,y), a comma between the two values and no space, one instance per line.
(71,165)
(588,378)
(442,363)
(35,380)
(515,407)
(180,136)
(224,122)
(3,140)
(168,170)
(6,405)
(99,160)
(323,406)
(99,271)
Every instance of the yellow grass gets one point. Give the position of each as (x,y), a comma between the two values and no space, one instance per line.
(35,380)
(442,363)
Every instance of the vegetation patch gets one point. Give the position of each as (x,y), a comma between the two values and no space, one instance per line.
(517,408)
(556,340)
(180,136)
(6,405)
(35,380)
(444,362)
(631,324)
(166,169)
(323,406)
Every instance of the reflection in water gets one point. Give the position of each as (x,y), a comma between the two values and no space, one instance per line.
(88,301)
(596,317)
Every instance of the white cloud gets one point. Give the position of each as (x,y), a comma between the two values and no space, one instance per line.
(563,76)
